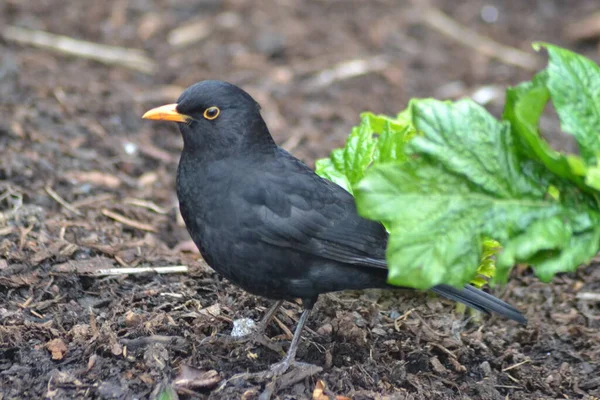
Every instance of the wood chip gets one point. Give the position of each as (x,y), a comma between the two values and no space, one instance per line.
(193,378)
(211,311)
(57,348)
(319,391)
(188,34)
(96,178)
(437,365)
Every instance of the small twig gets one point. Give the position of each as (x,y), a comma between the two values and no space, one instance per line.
(61,201)
(6,231)
(130,58)
(508,387)
(23,235)
(146,204)
(26,303)
(402,318)
(141,270)
(284,328)
(346,70)
(445,350)
(512,378)
(174,295)
(506,54)
(516,365)
(122,262)
(128,221)
(588,296)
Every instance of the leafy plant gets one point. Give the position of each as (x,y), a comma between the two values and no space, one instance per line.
(446,177)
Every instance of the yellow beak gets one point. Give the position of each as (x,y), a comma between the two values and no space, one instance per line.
(166,113)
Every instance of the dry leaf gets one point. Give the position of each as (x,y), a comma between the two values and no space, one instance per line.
(211,311)
(318,393)
(58,348)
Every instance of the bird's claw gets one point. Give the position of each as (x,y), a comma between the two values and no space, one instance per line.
(279,370)
(282,367)
(260,338)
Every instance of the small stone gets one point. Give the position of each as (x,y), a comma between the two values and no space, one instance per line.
(378,331)
(486,368)
(132,319)
(110,390)
(80,332)
(243,327)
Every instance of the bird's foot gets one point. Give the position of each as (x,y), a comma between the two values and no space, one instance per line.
(281,375)
(286,373)
(282,367)
(258,337)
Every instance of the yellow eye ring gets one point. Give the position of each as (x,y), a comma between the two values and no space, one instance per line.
(211,113)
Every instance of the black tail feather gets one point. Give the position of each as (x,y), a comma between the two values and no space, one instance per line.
(480,300)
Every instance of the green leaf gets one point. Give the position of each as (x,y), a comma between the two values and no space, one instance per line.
(391,143)
(347,165)
(580,250)
(358,153)
(574,86)
(165,391)
(592,177)
(380,123)
(464,183)
(326,168)
(524,106)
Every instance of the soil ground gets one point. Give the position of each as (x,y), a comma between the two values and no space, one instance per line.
(70,129)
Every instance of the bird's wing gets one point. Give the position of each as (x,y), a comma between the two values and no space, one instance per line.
(315,216)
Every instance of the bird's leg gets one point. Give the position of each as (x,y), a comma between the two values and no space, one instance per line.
(290,358)
(281,367)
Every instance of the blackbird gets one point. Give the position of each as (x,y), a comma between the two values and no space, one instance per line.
(267,222)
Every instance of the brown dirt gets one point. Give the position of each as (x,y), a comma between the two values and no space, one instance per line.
(72,127)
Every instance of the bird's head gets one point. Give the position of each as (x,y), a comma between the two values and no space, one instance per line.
(215,116)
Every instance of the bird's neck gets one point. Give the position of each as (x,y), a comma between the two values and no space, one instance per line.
(262,139)
(247,139)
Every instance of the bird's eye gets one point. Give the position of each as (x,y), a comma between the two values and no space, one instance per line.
(211,113)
